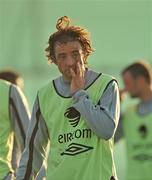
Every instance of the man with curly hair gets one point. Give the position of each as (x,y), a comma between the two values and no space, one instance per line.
(74,116)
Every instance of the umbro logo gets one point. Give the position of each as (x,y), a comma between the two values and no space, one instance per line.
(75,148)
(143,157)
(73,115)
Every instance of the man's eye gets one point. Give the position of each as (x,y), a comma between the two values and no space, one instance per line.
(75,55)
(62,56)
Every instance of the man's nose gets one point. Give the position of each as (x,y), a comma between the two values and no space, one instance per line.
(70,61)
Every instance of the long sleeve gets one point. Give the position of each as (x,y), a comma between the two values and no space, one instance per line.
(119,131)
(35,151)
(19,116)
(102,118)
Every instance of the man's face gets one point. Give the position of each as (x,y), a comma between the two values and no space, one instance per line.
(131,84)
(67,56)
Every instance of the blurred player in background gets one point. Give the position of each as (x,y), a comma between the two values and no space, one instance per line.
(14,121)
(135,124)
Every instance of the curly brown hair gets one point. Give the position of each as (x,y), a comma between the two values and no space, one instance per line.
(67,33)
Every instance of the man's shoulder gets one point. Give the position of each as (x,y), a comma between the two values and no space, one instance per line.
(109,76)
(48,86)
(45,86)
(91,72)
(99,78)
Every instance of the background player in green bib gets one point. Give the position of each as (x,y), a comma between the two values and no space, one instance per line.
(136,122)
(14,120)
(74,116)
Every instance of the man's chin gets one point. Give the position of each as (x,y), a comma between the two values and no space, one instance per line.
(68,78)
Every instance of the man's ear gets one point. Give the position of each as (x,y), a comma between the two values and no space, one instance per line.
(141,80)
